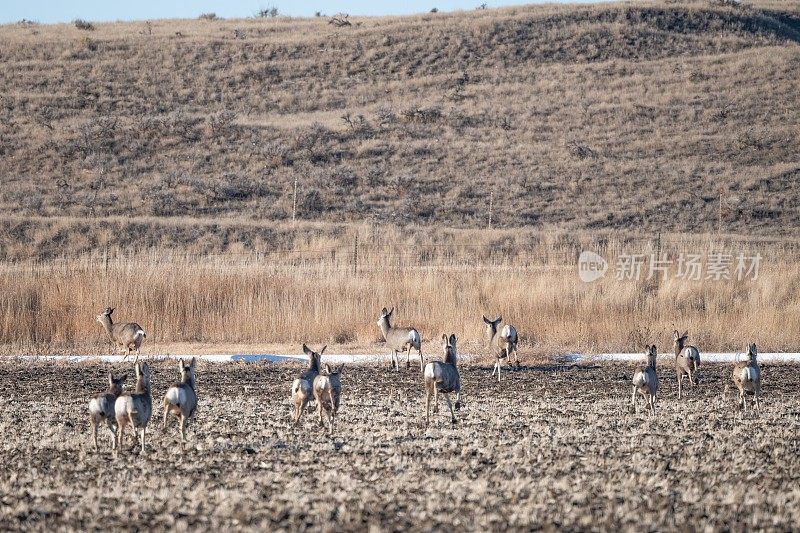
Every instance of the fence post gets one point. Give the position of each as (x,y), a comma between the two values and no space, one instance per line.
(355,255)
(294,201)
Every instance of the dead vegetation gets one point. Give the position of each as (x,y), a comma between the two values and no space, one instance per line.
(649,108)
(549,446)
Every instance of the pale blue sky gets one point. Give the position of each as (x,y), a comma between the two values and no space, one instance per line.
(49,11)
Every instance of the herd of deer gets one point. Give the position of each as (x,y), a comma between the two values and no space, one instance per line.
(324,385)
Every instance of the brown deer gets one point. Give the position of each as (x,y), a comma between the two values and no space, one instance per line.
(128,336)
(302,387)
(443,377)
(645,380)
(687,360)
(501,342)
(101,408)
(135,408)
(328,393)
(181,398)
(400,339)
(747,378)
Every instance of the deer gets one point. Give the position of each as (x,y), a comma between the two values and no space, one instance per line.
(135,408)
(687,360)
(328,392)
(128,336)
(302,387)
(443,377)
(181,398)
(101,408)
(645,380)
(501,342)
(747,378)
(399,340)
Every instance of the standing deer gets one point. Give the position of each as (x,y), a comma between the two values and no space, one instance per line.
(101,408)
(645,380)
(747,378)
(135,408)
(302,387)
(687,360)
(128,336)
(400,339)
(444,378)
(501,342)
(181,398)
(327,393)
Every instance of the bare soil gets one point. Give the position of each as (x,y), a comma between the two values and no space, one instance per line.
(550,447)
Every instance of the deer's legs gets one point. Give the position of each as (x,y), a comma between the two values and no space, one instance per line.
(458,400)
(94,431)
(334,409)
(435,399)
(680,381)
(408,357)
(633,401)
(421,360)
(516,357)
(450,405)
(166,412)
(183,429)
(113,431)
(653,404)
(395,361)
(427,406)
(144,430)
(319,410)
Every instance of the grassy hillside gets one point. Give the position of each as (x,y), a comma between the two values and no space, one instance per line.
(647,116)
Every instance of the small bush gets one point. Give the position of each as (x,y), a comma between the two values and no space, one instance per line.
(208,16)
(83,25)
(270,12)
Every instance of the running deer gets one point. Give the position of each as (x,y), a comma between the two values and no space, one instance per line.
(181,398)
(302,387)
(101,408)
(400,339)
(135,408)
(128,336)
(687,360)
(501,342)
(444,378)
(327,393)
(747,378)
(645,380)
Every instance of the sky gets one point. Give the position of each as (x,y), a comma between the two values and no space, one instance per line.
(51,11)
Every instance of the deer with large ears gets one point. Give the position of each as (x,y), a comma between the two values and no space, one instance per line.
(747,378)
(181,398)
(443,377)
(501,342)
(101,408)
(328,393)
(303,386)
(135,408)
(128,336)
(687,360)
(645,380)
(400,340)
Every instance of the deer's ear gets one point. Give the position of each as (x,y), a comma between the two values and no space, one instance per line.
(487,320)
(322,351)
(675,335)
(138,369)
(685,334)
(341,368)
(307,350)
(384,312)
(180,364)
(193,363)
(444,338)
(110,379)
(499,319)
(453,339)
(328,369)
(124,378)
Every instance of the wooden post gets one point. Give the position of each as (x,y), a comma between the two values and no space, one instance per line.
(294,201)
(355,255)
(491,201)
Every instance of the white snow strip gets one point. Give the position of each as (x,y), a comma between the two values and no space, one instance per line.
(705,357)
(789,357)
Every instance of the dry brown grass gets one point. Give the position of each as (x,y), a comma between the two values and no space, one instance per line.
(314,293)
(604,116)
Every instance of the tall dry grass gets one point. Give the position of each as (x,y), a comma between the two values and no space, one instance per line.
(322,298)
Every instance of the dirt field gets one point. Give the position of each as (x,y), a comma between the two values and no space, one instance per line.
(549,447)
